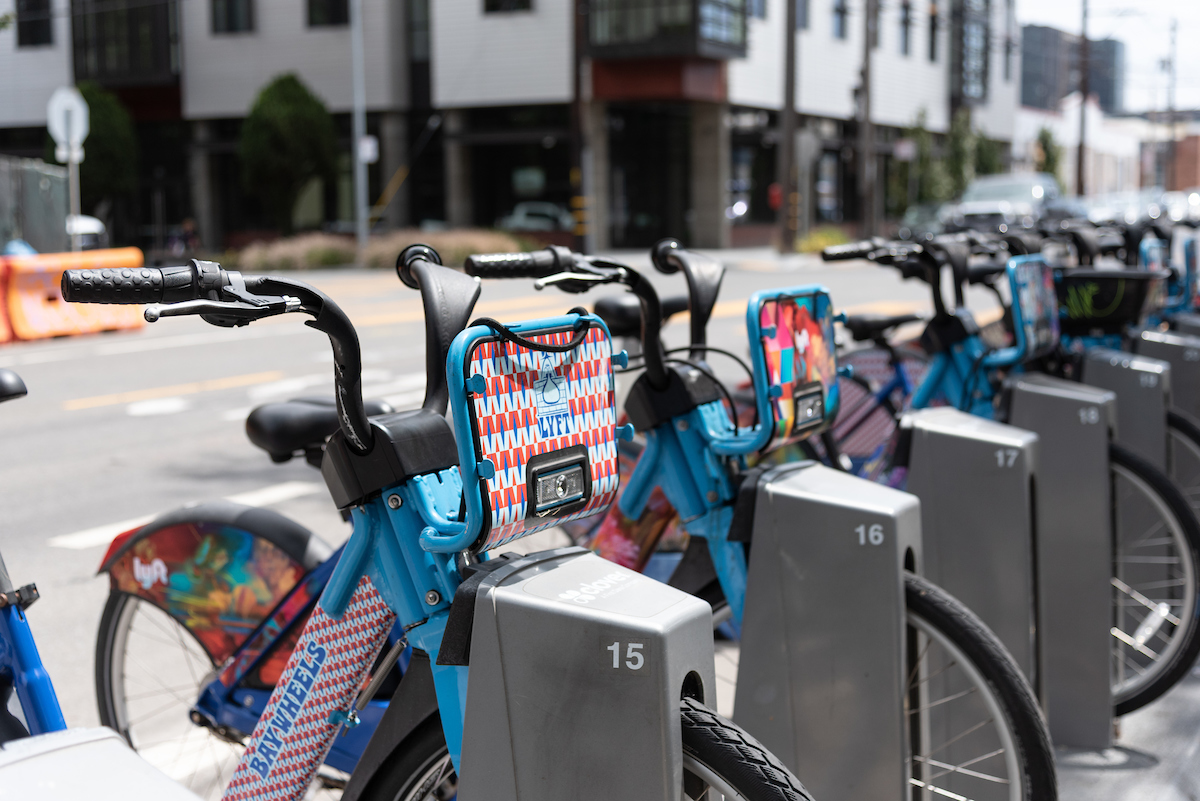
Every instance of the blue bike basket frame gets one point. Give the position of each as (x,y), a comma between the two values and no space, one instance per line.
(794,358)
(536,429)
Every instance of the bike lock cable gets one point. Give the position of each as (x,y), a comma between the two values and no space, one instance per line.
(745,367)
(724,391)
(504,332)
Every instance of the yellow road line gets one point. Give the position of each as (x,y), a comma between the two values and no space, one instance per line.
(417,314)
(173,391)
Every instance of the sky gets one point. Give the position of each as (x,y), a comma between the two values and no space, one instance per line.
(1145,28)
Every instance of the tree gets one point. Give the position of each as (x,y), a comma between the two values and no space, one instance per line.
(989,155)
(960,151)
(287,140)
(6,20)
(110,166)
(1048,153)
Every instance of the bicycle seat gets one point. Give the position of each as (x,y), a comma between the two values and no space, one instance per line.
(282,429)
(865,327)
(623,313)
(11,385)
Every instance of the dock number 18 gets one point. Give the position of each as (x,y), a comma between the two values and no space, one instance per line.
(870,534)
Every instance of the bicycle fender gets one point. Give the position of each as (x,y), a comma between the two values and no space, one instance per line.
(218,568)
(413,703)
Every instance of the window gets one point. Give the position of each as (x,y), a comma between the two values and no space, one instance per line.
(324,13)
(756,9)
(33,23)
(1009,47)
(802,14)
(933,31)
(507,5)
(840,14)
(905,29)
(232,16)
(875,25)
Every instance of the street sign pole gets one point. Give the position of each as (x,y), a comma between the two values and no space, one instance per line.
(359,124)
(67,120)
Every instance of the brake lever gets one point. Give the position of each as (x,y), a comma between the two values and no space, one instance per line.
(583,280)
(225,313)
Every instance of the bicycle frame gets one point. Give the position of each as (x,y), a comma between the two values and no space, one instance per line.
(21,665)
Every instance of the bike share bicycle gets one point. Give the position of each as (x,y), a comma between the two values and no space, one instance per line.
(38,753)
(995,746)
(964,372)
(533,411)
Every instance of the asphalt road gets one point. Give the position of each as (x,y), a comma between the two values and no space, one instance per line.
(119,427)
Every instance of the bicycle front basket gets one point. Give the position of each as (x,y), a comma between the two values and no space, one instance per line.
(1106,301)
(795,361)
(1034,306)
(543,424)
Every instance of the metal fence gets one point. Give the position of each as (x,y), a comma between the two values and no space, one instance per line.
(33,204)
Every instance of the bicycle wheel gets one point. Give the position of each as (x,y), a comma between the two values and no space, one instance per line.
(718,756)
(1156,565)
(974,725)
(149,671)
(975,730)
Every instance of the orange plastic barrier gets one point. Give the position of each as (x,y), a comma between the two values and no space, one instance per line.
(5,328)
(36,309)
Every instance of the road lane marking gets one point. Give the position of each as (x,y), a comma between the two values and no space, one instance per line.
(509,306)
(86,347)
(158,406)
(266,496)
(192,388)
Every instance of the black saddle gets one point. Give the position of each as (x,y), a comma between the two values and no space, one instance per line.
(299,425)
(623,313)
(11,385)
(866,327)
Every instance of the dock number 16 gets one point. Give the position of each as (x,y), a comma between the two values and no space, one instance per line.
(633,655)
(870,534)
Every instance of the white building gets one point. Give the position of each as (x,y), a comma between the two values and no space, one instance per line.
(681,100)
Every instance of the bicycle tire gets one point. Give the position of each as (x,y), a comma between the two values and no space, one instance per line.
(716,753)
(1176,661)
(931,609)
(197,757)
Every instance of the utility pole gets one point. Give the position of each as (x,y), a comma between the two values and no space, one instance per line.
(866,131)
(1172,182)
(579,198)
(358,75)
(1084,90)
(789,192)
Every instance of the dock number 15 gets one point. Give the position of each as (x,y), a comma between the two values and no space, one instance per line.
(633,655)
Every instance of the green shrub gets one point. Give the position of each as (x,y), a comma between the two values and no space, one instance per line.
(822,237)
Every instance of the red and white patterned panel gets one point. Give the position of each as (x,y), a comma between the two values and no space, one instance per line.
(322,678)
(537,402)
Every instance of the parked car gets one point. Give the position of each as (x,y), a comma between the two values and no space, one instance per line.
(537,215)
(921,221)
(1010,200)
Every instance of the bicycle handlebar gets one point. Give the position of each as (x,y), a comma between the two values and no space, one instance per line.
(143,284)
(227,298)
(538,264)
(854,250)
(575,272)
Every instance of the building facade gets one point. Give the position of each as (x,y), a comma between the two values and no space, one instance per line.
(474,103)
(1050,69)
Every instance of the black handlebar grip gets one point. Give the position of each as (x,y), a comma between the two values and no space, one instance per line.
(539,264)
(143,284)
(129,285)
(854,250)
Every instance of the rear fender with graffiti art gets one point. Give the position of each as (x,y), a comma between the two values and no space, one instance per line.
(218,568)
